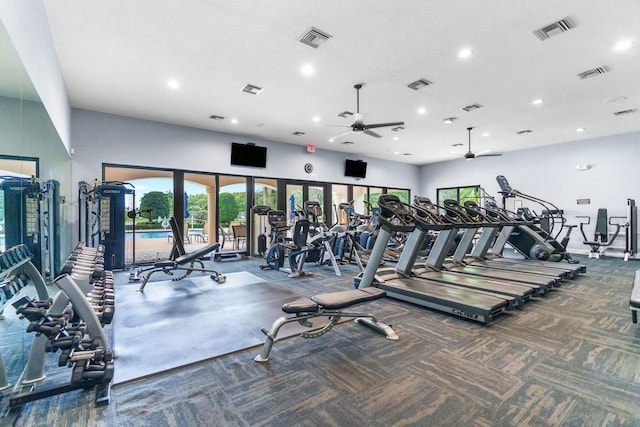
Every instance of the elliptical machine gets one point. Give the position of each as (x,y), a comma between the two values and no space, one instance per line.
(529,239)
(294,248)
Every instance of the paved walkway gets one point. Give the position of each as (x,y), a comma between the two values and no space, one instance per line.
(153,249)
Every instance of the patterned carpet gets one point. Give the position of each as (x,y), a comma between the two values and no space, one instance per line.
(571,358)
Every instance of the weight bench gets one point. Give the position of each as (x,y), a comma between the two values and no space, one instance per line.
(325,305)
(185,263)
(634,301)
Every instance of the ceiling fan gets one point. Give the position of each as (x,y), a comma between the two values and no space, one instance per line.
(359,126)
(470,155)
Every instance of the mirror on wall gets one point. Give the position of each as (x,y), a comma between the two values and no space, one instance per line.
(35,203)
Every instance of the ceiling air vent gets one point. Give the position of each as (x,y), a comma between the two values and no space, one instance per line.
(298,133)
(214,117)
(397,128)
(345,114)
(522,132)
(252,89)
(419,84)
(314,37)
(593,72)
(347,143)
(623,112)
(471,107)
(554,29)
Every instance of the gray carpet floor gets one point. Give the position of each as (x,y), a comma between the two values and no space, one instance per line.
(571,358)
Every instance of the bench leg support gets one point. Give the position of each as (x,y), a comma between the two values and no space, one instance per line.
(303,318)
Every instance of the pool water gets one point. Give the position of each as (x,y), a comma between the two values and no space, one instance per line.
(156,234)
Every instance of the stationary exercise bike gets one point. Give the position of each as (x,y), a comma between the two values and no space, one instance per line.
(293,248)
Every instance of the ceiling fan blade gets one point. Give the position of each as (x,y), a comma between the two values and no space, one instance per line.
(383,125)
(488,154)
(342,134)
(372,133)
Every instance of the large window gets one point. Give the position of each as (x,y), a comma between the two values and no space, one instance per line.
(402,194)
(459,194)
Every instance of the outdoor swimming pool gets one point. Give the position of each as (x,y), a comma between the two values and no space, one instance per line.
(156,234)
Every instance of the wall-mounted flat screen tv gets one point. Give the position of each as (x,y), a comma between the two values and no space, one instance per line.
(355,168)
(248,155)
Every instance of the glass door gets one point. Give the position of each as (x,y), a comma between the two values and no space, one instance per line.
(147,233)
(295,200)
(232,213)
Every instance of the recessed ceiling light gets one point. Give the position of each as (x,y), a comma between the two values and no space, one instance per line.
(234,121)
(307,69)
(580,130)
(465,53)
(316,119)
(537,101)
(395,138)
(396,152)
(422,110)
(450,120)
(173,84)
(485,134)
(622,45)
(332,140)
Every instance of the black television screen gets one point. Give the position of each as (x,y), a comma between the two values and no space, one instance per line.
(355,168)
(248,155)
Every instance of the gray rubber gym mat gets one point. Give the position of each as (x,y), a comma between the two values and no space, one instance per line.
(174,324)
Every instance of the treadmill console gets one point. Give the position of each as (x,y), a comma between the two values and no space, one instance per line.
(390,205)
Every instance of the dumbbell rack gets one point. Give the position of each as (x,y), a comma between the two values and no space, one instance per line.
(72,321)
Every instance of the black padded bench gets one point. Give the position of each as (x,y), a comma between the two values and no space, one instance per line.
(329,304)
(185,263)
(634,301)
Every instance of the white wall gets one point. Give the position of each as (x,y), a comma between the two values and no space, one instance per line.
(27,24)
(104,138)
(550,173)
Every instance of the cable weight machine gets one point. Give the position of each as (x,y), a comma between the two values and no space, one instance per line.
(32,218)
(102,211)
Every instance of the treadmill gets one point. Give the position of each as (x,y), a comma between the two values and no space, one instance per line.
(524,236)
(494,239)
(464,302)
(539,283)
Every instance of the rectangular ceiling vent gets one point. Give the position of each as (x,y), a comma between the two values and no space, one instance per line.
(252,89)
(522,132)
(623,112)
(214,117)
(593,72)
(314,37)
(347,143)
(397,128)
(419,84)
(471,107)
(345,114)
(298,133)
(554,29)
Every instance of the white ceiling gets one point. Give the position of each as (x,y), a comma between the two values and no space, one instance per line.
(117,57)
